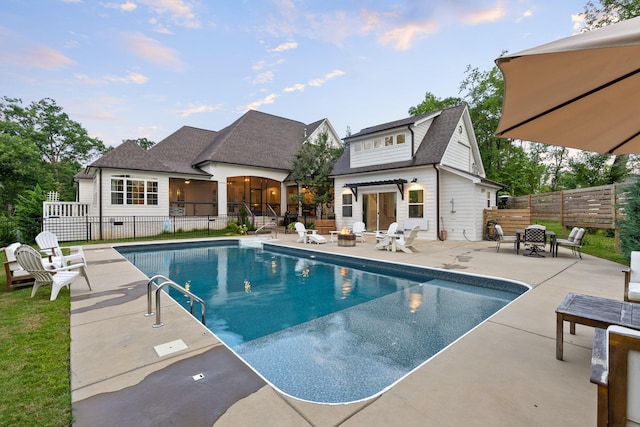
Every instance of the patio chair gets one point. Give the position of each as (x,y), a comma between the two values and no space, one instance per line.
(308,236)
(575,245)
(632,278)
(501,238)
(358,230)
(15,274)
(619,381)
(30,260)
(48,241)
(406,245)
(393,228)
(535,239)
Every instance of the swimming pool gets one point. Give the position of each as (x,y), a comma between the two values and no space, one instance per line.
(323,327)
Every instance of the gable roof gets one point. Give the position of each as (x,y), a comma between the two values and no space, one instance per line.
(429,152)
(129,155)
(256,139)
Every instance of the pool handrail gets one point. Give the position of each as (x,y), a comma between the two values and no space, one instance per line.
(171,283)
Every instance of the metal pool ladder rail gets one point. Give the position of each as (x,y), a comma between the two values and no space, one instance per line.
(170,283)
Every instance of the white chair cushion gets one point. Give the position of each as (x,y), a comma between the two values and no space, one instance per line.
(635,266)
(634,291)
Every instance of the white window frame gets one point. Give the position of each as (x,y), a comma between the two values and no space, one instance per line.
(127,188)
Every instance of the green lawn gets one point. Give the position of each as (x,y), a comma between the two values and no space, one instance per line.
(35,385)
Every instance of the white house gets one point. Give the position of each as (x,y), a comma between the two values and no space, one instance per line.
(197,172)
(424,170)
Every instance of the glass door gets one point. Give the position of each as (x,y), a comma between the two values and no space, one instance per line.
(379,210)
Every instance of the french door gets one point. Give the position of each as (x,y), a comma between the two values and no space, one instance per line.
(379,210)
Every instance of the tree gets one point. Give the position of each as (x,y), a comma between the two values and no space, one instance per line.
(629,225)
(312,165)
(608,12)
(433,103)
(143,142)
(63,145)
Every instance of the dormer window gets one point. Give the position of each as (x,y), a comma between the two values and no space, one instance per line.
(388,141)
(400,138)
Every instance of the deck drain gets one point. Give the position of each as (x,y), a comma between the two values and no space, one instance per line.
(170,347)
(198,377)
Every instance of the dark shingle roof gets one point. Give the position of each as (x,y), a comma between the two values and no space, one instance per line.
(129,155)
(179,149)
(256,139)
(429,152)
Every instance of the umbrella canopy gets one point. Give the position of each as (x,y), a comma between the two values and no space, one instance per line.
(581,92)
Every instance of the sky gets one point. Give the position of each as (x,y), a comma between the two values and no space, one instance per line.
(144,68)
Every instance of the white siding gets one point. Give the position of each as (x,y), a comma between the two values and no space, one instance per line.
(141,210)
(458,207)
(382,154)
(426,180)
(459,153)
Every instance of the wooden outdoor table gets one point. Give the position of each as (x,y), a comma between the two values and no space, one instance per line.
(593,311)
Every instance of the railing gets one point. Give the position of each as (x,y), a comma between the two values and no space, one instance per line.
(64,209)
(172,284)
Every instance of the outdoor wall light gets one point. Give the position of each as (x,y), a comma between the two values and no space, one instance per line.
(414,180)
(187,181)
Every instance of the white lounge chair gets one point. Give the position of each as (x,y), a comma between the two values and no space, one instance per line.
(504,239)
(47,242)
(616,370)
(575,245)
(632,278)
(358,230)
(15,274)
(308,236)
(406,245)
(383,239)
(30,260)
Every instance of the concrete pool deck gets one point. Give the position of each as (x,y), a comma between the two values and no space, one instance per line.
(503,373)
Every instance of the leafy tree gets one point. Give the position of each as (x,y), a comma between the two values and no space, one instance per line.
(143,142)
(312,165)
(28,208)
(608,12)
(629,225)
(62,144)
(433,103)
(592,169)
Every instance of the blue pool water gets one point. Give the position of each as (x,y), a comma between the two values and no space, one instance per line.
(322,327)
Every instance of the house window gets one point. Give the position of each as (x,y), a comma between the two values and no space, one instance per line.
(488,199)
(347,205)
(357,147)
(377,143)
(400,138)
(416,203)
(134,191)
(388,140)
(367,145)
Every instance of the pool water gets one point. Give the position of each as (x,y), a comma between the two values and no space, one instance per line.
(325,328)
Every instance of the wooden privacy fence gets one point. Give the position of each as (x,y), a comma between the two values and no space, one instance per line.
(509,219)
(594,207)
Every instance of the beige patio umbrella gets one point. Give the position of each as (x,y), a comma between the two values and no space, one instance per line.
(581,92)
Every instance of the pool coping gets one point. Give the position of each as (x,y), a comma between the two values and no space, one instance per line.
(126,358)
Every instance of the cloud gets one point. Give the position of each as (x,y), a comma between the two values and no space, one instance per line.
(180,12)
(298,87)
(269,99)
(135,78)
(258,66)
(526,14)
(578,21)
(152,51)
(403,36)
(492,14)
(285,46)
(263,78)
(35,56)
(127,6)
(320,81)
(129,78)
(195,109)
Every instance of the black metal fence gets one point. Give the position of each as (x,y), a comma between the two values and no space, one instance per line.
(93,228)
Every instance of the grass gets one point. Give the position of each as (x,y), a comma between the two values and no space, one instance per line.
(34,359)
(35,370)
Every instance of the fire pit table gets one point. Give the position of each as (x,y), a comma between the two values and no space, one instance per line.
(346,239)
